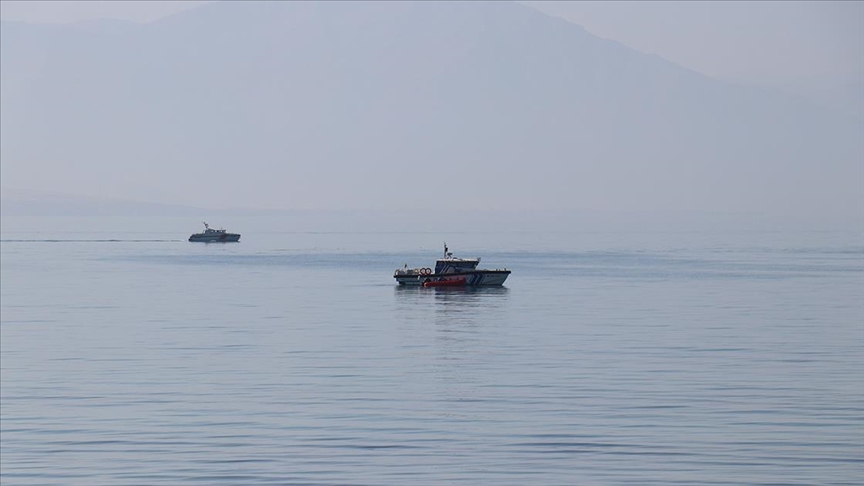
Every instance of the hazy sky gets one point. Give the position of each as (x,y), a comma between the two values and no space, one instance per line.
(353,120)
(770,42)
(798,43)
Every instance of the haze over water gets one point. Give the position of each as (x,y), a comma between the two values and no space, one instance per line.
(610,356)
(662,179)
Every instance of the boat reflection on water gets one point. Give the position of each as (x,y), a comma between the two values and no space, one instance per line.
(455,293)
(451,329)
(460,303)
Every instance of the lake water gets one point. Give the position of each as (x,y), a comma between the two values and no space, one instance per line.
(129,356)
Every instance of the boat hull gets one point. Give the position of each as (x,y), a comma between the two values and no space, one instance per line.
(445,282)
(223,238)
(472,278)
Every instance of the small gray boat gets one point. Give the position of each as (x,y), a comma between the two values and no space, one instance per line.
(211,235)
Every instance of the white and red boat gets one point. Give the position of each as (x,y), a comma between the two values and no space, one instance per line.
(451,271)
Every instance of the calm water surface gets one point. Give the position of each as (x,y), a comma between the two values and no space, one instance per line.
(131,356)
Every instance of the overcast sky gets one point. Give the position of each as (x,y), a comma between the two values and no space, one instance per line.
(799,43)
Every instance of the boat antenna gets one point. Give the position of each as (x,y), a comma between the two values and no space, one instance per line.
(206,225)
(445,249)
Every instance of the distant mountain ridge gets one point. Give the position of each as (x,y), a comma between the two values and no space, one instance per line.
(415,104)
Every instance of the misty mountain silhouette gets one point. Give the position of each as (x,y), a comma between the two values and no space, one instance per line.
(414,104)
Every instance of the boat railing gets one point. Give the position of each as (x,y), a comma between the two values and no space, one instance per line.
(413,272)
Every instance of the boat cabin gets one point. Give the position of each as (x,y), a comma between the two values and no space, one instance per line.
(451,264)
